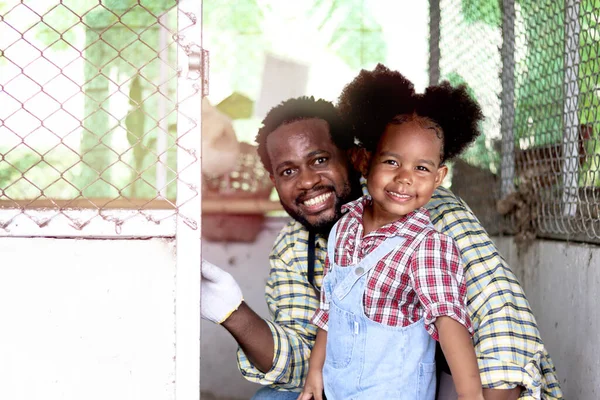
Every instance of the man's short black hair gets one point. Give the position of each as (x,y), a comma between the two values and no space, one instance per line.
(298,109)
(377,98)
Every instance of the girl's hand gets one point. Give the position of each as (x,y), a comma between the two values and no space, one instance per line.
(313,387)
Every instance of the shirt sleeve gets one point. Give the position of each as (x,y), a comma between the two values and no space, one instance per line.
(321,317)
(507,341)
(438,280)
(292,302)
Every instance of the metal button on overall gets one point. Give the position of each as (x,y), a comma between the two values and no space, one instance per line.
(359,271)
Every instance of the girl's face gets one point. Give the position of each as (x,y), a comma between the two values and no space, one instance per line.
(404,171)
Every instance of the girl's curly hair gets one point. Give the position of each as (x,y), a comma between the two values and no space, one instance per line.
(372,100)
(377,98)
(456,113)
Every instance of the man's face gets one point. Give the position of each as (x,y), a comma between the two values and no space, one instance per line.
(309,172)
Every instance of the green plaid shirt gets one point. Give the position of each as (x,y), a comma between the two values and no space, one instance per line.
(509,349)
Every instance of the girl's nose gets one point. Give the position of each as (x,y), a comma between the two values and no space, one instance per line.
(404,177)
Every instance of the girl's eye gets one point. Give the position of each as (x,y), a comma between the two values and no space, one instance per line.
(422,168)
(390,162)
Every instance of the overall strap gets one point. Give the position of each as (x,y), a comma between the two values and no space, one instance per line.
(331,243)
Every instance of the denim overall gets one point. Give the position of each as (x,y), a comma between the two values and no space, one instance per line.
(365,359)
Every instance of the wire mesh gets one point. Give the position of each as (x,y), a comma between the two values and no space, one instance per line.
(534,67)
(469,41)
(89,111)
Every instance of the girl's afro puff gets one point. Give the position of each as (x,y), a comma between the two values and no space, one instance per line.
(455,112)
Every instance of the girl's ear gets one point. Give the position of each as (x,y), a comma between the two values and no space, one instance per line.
(360,159)
(440,175)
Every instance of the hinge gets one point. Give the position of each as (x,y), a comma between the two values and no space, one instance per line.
(199,64)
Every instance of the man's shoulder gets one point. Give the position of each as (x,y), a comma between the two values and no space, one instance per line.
(443,198)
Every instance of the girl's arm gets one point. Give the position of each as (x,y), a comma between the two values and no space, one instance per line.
(313,388)
(460,354)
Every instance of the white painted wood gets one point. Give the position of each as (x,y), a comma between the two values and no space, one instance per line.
(189,94)
(87,319)
(119,224)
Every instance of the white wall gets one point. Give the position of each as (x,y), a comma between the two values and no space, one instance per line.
(562,283)
(87,319)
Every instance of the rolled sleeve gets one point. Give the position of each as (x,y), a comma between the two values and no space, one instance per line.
(438,280)
(292,303)
(281,371)
(321,319)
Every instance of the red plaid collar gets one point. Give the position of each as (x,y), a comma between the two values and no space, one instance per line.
(408,226)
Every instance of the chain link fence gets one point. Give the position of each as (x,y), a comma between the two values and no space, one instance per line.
(89,115)
(534,67)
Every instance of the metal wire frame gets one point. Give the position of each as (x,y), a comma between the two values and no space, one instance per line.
(128,59)
(542,109)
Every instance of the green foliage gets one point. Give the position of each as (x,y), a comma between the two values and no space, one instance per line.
(485,11)
(481,153)
(13,171)
(540,76)
(357,37)
(240,16)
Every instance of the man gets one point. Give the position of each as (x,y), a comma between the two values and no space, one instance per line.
(303,145)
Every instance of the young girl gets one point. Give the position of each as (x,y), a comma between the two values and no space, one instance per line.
(394,284)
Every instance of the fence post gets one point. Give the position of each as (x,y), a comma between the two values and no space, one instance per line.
(570,148)
(189,100)
(434,41)
(507,118)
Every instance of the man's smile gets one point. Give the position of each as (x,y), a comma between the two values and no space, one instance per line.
(318,203)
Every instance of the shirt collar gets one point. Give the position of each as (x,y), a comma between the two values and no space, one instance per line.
(301,241)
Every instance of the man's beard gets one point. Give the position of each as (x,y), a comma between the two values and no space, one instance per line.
(350,191)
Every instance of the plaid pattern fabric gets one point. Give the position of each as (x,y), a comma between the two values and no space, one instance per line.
(507,342)
(422,278)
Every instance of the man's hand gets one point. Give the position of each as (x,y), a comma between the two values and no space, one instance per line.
(220,293)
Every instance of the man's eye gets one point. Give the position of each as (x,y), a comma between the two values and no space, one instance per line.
(320,160)
(287,172)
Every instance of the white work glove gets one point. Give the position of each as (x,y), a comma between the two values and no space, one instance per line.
(220,293)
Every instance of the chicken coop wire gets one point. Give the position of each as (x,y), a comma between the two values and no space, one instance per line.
(89,116)
(534,68)
(464,49)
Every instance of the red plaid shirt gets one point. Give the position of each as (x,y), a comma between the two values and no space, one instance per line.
(419,279)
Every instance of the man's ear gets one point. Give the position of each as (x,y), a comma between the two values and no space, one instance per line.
(272,178)
(360,159)
(440,175)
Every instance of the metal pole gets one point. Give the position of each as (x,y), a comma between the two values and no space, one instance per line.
(507,120)
(570,163)
(434,42)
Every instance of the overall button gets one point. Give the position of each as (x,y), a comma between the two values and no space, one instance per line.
(359,271)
